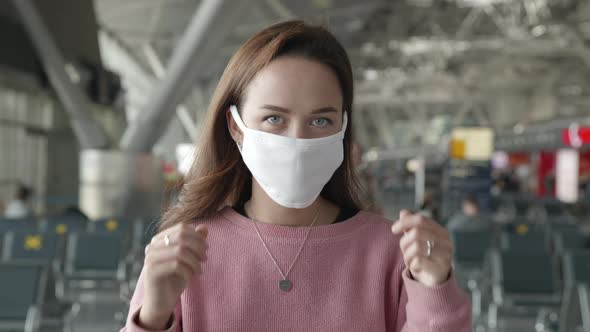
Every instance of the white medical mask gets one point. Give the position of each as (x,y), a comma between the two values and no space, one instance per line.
(292,171)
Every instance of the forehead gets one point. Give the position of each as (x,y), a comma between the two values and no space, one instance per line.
(295,83)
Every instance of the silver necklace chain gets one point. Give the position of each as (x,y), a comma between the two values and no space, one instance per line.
(284,275)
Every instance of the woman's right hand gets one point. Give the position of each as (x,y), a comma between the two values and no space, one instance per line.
(168,269)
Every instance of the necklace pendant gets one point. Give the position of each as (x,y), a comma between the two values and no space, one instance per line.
(285,285)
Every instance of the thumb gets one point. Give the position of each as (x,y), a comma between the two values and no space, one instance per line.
(404,213)
(398,225)
(202,229)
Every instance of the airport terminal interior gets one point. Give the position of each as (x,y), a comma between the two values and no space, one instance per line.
(474,114)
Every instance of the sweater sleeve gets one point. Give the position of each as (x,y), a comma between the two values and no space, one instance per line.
(132,325)
(435,309)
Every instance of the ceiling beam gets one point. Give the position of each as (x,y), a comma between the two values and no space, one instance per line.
(203,37)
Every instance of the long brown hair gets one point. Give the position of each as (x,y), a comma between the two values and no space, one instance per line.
(218,176)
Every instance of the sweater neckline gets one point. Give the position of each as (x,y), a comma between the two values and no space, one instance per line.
(335,230)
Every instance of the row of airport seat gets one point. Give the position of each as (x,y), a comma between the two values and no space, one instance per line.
(525,270)
(48,267)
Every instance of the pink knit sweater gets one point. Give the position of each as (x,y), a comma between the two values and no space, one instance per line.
(350,276)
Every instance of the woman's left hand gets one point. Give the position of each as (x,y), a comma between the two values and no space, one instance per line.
(419,233)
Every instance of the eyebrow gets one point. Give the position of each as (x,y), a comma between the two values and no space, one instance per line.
(327,109)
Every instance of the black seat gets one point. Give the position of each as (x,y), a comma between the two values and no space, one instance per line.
(527,240)
(576,267)
(575,315)
(569,239)
(33,246)
(584,296)
(469,255)
(471,246)
(93,255)
(20,224)
(45,249)
(558,225)
(576,272)
(109,225)
(63,225)
(94,267)
(21,291)
(523,282)
(535,277)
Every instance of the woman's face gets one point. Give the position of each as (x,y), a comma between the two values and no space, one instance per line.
(294,97)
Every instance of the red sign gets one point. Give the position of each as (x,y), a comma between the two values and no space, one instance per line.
(576,136)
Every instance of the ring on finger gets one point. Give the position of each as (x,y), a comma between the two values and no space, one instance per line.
(429,246)
(166,240)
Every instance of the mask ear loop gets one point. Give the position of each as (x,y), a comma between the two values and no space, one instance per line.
(236,116)
(345,122)
(234,112)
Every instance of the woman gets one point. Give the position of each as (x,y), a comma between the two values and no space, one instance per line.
(267,234)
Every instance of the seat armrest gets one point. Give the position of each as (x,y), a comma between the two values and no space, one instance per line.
(33,321)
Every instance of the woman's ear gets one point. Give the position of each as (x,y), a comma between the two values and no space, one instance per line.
(234,130)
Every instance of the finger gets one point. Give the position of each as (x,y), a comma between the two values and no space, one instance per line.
(417,235)
(438,244)
(186,233)
(441,253)
(441,257)
(183,242)
(185,254)
(404,213)
(417,249)
(404,224)
(417,220)
(200,229)
(172,268)
(439,240)
(166,255)
(203,230)
(159,238)
(420,264)
(185,237)
(445,253)
(413,250)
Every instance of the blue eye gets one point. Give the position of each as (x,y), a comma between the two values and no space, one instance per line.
(321,122)
(273,119)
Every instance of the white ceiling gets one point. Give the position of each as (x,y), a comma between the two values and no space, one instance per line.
(410,57)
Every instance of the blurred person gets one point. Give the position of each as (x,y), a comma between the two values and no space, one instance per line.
(74,211)
(512,182)
(469,217)
(268,235)
(19,207)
